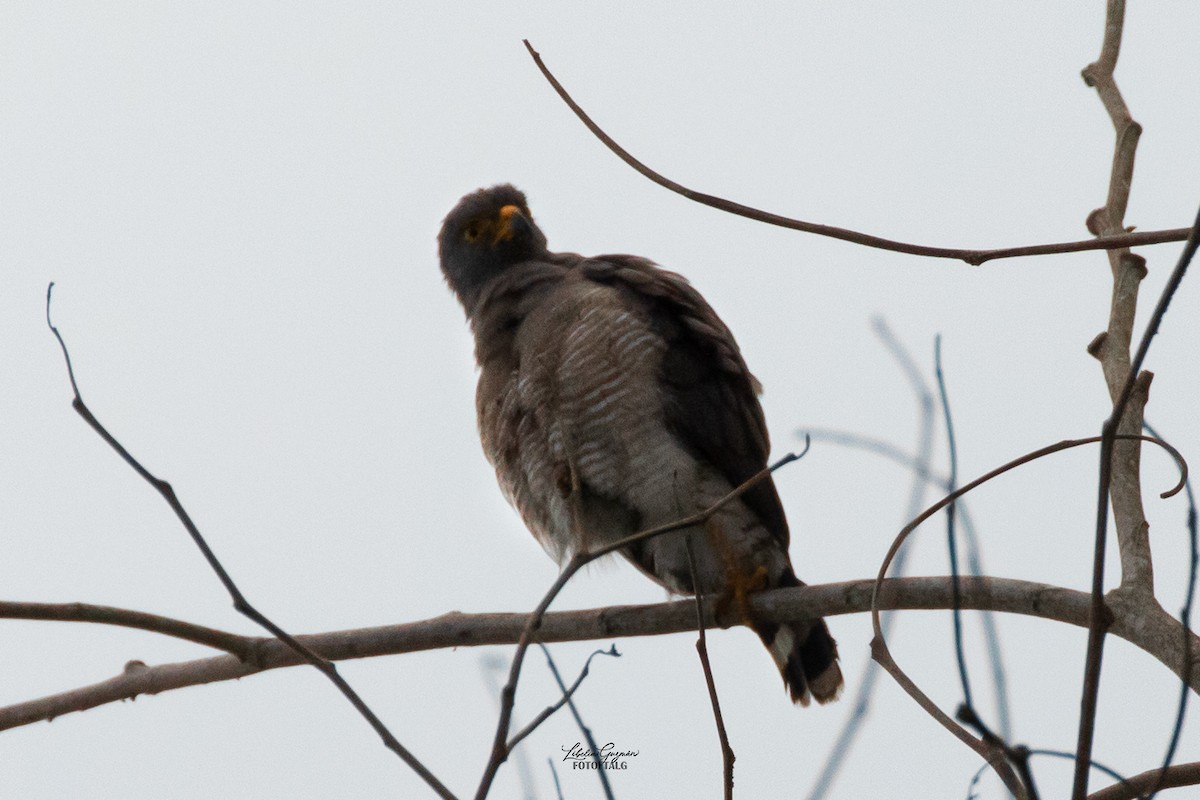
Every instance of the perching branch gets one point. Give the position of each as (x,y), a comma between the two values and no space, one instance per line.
(1157,635)
(1116,240)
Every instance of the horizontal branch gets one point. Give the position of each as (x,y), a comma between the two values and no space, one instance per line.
(238,645)
(1146,626)
(971,256)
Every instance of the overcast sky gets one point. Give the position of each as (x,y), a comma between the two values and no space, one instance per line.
(239,204)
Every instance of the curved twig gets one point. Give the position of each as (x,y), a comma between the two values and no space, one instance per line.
(241,646)
(864,687)
(898,456)
(879,648)
(567,694)
(601,772)
(973,257)
(1110,772)
(1175,776)
(1185,620)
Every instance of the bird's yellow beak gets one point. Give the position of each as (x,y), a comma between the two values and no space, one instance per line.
(504,227)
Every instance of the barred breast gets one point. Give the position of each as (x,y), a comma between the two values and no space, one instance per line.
(581,408)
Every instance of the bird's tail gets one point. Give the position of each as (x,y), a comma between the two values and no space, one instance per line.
(806,655)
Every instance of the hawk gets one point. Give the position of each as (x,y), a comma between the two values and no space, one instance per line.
(612,399)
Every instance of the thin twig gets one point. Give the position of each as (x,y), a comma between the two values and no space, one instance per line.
(840,750)
(1185,619)
(973,257)
(508,695)
(587,732)
(567,694)
(1100,613)
(240,603)
(879,649)
(1112,773)
(727,756)
(974,562)
(1017,755)
(241,646)
(554,774)
(493,665)
(1096,765)
(951,539)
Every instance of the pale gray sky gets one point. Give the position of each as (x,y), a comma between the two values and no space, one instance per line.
(239,204)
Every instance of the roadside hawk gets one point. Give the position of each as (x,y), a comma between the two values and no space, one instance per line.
(612,399)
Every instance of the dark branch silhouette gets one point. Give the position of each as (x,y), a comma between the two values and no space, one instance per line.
(240,603)
(1185,619)
(879,649)
(601,773)
(568,693)
(727,755)
(973,257)
(951,512)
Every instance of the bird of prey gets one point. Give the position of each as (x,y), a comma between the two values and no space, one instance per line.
(612,399)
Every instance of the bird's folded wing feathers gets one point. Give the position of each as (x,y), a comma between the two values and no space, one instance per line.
(710,398)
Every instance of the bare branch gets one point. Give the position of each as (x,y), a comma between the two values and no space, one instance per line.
(240,603)
(1185,619)
(1120,482)
(973,257)
(567,694)
(951,516)
(240,646)
(1176,776)
(879,650)
(1154,632)
(601,773)
(868,680)
(727,755)
(1119,467)
(557,786)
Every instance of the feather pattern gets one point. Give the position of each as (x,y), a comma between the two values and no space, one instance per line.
(612,398)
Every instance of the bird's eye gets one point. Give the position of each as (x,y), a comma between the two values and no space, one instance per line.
(472,232)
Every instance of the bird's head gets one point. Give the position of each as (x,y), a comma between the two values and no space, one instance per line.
(485,234)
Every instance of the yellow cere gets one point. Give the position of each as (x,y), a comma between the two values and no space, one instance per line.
(504,231)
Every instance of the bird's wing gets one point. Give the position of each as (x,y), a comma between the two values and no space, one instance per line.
(710,401)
